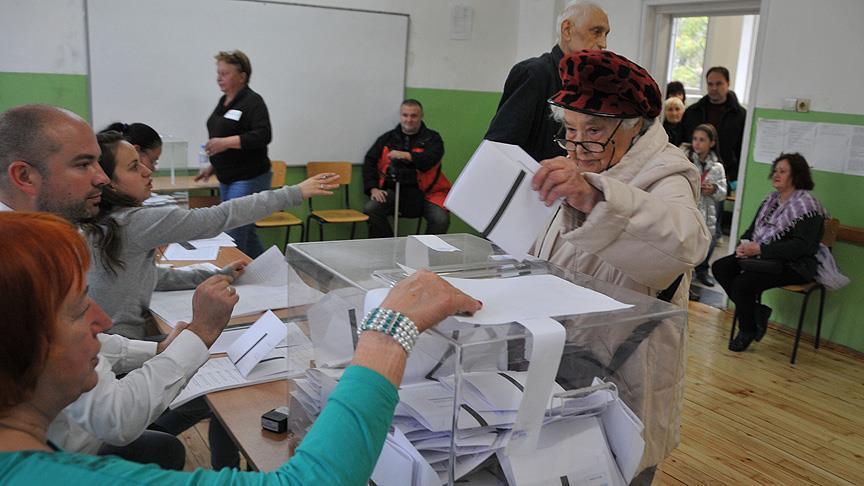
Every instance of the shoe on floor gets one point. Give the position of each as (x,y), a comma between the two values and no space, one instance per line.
(694,295)
(763,312)
(741,342)
(705,278)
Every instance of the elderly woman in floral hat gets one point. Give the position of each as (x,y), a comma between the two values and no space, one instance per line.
(629,217)
(630,213)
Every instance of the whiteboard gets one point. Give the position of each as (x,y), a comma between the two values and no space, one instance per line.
(332,78)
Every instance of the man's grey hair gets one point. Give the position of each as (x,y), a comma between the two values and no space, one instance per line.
(576,11)
(23,137)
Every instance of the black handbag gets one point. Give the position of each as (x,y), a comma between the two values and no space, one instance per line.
(759,265)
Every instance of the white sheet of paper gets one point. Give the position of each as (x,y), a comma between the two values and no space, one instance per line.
(220,374)
(547,343)
(435,243)
(222,239)
(233,115)
(574,447)
(270,268)
(476,201)
(227,338)
(526,297)
(268,283)
(531,296)
(248,350)
(176,252)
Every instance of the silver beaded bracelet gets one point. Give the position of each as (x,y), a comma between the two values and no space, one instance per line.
(392,323)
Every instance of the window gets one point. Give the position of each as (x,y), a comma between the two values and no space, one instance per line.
(687,52)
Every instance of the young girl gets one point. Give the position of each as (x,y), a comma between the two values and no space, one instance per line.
(703,151)
(145,139)
(124,236)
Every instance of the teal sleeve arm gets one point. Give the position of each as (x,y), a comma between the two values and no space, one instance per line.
(342,448)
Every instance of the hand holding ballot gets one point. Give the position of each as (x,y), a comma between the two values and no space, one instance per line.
(562,177)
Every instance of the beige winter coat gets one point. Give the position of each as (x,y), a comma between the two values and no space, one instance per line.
(645,234)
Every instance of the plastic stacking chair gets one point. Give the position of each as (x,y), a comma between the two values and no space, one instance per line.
(280,218)
(333,216)
(806,289)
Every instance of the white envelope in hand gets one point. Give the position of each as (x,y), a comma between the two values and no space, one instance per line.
(493,194)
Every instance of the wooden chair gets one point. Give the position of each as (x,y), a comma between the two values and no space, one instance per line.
(333,216)
(828,238)
(280,218)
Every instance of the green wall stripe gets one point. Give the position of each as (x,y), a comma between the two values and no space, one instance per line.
(65,90)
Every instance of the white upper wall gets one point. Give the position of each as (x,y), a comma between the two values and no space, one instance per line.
(42,37)
(813,50)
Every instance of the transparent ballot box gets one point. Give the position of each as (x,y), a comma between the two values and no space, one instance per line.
(612,410)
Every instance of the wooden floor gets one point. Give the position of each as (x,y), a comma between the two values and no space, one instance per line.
(749,418)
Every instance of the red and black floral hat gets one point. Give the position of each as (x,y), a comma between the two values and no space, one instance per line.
(603,83)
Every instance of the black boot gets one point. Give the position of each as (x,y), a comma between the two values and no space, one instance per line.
(763,312)
(741,342)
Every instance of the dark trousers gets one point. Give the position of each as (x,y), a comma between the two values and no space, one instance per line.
(437,218)
(745,287)
(223,450)
(151,447)
(703,267)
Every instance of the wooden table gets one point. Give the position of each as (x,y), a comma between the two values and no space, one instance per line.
(240,409)
(182,183)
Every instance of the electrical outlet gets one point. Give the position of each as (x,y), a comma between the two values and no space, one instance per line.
(802,105)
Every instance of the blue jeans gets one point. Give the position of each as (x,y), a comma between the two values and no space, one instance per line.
(245,236)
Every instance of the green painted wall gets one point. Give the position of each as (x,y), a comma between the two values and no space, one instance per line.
(66,90)
(843,196)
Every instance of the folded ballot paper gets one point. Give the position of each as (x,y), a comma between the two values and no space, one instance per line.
(493,194)
(269,350)
(268,282)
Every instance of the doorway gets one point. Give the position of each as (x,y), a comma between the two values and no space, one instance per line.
(681,41)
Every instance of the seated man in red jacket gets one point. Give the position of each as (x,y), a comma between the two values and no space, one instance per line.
(410,154)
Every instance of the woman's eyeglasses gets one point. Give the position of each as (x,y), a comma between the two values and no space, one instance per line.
(592,147)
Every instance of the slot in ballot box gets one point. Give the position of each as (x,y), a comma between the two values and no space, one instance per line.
(464,409)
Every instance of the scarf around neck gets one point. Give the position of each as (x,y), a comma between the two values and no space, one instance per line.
(775,218)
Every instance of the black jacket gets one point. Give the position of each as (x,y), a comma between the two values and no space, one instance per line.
(426,147)
(251,159)
(730,132)
(797,247)
(523,117)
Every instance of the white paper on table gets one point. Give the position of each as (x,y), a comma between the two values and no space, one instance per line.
(176,252)
(434,242)
(392,466)
(222,239)
(476,201)
(229,335)
(248,350)
(574,449)
(267,283)
(220,374)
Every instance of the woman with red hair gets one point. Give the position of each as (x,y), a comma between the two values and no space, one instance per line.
(50,348)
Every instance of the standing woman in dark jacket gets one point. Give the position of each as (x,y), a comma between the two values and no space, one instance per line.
(239,131)
(779,248)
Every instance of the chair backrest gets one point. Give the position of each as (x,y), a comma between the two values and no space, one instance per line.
(277,167)
(341,168)
(832,226)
